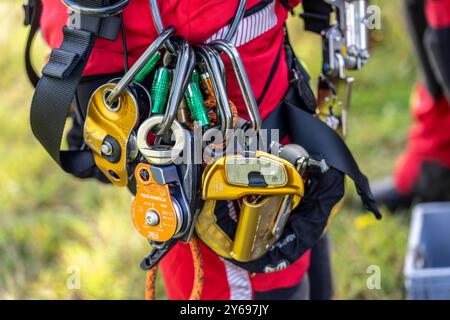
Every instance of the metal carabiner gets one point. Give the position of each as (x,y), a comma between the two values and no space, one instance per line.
(240,12)
(103,12)
(239,15)
(159,24)
(140,63)
(210,56)
(244,83)
(183,72)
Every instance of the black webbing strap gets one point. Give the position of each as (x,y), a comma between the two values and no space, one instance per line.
(320,140)
(299,77)
(274,69)
(33,12)
(54,93)
(297,73)
(53,98)
(316,15)
(286,4)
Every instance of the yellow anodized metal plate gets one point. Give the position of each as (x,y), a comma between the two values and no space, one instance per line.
(210,232)
(257,218)
(254,232)
(216,182)
(117,122)
(239,169)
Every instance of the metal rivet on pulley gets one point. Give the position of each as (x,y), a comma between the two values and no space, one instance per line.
(107,148)
(145,175)
(152,218)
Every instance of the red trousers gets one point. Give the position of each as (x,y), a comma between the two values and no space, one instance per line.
(429,138)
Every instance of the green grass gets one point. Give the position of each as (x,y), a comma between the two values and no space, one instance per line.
(50,221)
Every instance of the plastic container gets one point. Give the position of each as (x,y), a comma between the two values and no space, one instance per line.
(427,263)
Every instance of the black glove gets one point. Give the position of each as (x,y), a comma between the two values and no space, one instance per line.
(304,228)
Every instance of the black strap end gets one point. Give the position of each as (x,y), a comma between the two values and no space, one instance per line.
(316,15)
(29,11)
(61,64)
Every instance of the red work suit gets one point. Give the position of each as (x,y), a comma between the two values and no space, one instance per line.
(429,138)
(259,40)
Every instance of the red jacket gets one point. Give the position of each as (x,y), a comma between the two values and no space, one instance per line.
(438,13)
(197,21)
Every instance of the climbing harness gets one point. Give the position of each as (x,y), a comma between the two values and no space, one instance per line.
(141,130)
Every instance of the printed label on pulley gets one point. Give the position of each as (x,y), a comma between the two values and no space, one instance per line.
(152,209)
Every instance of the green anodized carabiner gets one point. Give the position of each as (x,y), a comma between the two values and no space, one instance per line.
(195,102)
(160,90)
(148,68)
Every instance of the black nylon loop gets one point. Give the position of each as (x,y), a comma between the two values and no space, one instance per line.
(319,139)
(52,100)
(61,64)
(33,12)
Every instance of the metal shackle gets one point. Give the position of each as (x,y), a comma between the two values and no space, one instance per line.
(160,155)
(244,83)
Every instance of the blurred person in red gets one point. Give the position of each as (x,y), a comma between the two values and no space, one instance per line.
(422,174)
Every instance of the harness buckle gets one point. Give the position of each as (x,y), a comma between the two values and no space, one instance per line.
(104,27)
(80,21)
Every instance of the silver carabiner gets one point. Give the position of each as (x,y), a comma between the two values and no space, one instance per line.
(104,11)
(140,63)
(231,33)
(210,57)
(159,25)
(244,83)
(237,20)
(183,71)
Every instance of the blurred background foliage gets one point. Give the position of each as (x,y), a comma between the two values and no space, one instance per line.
(50,222)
